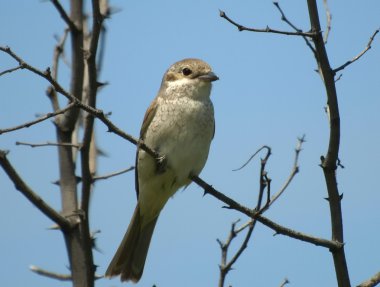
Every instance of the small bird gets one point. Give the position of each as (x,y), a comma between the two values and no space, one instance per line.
(179,125)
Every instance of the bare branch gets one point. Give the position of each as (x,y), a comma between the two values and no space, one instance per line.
(330,244)
(33,145)
(328,21)
(54,275)
(360,55)
(31,195)
(265,30)
(252,156)
(286,281)
(293,173)
(232,204)
(64,15)
(371,282)
(107,176)
(50,274)
(286,20)
(10,70)
(92,85)
(329,161)
(242,247)
(40,119)
(58,51)
(224,266)
(95,112)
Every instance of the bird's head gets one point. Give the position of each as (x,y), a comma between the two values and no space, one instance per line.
(189,77)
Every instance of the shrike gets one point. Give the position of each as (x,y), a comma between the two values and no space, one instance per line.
(179,124)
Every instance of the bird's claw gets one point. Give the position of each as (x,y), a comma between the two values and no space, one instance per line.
(162,164)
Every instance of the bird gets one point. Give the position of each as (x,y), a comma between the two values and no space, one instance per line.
(179,125)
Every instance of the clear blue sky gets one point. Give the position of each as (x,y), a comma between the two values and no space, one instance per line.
(268,93)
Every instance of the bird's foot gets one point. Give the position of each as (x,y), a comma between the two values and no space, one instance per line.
(162,164)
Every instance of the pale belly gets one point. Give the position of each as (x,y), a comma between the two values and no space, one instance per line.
(183,135)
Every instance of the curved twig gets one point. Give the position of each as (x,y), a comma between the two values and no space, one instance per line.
(40,119)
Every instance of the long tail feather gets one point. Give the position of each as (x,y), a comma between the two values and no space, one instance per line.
(130,257)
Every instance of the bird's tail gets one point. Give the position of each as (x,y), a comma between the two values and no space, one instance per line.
(129,259)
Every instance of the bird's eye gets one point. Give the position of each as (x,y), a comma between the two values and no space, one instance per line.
(186,71)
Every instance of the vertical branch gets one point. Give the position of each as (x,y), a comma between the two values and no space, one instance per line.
(329,165)
(78,240)
(92,92)
(77,63)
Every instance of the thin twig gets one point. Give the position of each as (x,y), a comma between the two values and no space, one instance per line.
(54,275)
(10,70)
(265,30)
(243,226)
(252,156)
(95,112)
(284,282)
(294,171)
(224,266)
(31,195)
(107,176)
(40,119)
(33,145)
(264,182)
(286,20)
(64,15)
(354,59)
(328,21)
(371,282)
(58,52)
(50,274)
(232,204)
(339,77)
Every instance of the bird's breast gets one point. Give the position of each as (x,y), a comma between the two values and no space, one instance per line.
(182,130)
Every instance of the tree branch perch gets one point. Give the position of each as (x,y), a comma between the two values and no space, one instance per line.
(37,201)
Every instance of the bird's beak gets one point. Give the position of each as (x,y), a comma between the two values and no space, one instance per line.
(209,77)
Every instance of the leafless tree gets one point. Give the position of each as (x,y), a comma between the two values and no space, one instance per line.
(74,126)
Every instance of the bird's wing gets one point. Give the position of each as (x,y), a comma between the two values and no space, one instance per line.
(149,115)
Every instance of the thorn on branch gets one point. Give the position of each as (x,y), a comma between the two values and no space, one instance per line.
(322,158)
(48,72)
(101,85)
(339,163)
(339,77)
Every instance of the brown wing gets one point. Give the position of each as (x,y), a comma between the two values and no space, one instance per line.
(149,115)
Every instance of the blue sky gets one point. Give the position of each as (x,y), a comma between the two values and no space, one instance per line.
(268,93)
